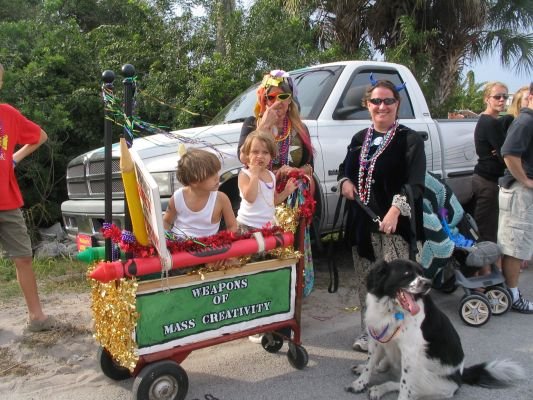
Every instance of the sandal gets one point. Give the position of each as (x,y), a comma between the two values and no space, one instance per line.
(522,305)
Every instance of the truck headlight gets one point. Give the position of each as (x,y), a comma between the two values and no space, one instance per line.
(164,182)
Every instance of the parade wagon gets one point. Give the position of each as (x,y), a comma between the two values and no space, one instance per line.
(156,302)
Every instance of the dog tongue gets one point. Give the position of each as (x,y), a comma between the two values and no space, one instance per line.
(408,303)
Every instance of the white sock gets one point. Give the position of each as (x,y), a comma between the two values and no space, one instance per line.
(514,293)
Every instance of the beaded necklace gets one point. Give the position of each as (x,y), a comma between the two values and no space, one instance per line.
(364,184)
(284,145)
(269,186)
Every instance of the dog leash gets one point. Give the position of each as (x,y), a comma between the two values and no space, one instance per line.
(373,216)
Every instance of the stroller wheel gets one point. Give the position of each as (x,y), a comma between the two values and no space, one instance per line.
(499,299)
(475,310)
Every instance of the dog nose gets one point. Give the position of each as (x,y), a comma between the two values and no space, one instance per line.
(421,284)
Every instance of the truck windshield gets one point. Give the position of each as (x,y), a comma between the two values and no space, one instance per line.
(313,88)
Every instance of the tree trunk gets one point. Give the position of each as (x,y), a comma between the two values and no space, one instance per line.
(224,8)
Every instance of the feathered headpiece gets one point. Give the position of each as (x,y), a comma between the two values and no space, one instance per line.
(276,78)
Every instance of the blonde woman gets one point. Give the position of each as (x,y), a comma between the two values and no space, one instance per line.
(489,136)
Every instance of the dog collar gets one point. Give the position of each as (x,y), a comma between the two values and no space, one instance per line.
(379,337)
(398,316)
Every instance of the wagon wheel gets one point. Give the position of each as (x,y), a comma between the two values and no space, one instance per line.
(499,299)
(162,380)
(271,342)
(297,356)
(110,367)
(475,310)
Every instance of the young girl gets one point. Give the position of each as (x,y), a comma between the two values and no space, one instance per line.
(257,184)
(196,209)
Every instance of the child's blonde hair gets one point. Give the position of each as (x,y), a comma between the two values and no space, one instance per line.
(263,136)
(197,165)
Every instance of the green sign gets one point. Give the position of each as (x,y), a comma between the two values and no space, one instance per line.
(204,310)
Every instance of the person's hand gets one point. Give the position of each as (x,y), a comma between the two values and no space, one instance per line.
(255,169)
(272,117)
(291,185)
(529,183)
(390,221)
(348,190)
(283,171)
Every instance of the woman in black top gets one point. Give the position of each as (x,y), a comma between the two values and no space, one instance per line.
(379,162)
(489,136)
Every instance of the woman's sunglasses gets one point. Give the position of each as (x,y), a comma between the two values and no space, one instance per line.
(279,96)
(389,101)
(500,96)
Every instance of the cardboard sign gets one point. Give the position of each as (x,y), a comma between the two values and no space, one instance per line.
(151,205)
(205,309)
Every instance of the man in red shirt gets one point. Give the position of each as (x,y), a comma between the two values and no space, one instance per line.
(16,131)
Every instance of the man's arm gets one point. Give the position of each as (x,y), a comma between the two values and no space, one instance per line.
(514,164)
(27,149)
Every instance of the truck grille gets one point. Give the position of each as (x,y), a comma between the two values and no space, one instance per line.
(86,180)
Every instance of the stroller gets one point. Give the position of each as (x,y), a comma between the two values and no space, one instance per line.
(451,257)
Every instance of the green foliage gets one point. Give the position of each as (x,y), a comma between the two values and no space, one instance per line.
(55,51)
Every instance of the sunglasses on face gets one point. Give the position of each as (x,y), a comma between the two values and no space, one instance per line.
(500,96)
(279,96)
(389,101)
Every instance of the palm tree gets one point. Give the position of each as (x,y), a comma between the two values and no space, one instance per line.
(448,33)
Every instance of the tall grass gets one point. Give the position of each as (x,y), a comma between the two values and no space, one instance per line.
(60,274)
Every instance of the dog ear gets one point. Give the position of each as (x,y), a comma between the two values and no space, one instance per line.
(375,280)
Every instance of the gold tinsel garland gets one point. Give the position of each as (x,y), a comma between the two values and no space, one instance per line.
(288,219)
(114,303)
(115,318)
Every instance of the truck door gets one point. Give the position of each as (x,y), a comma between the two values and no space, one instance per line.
(347,115)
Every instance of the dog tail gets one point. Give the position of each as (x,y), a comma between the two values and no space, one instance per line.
(494,374)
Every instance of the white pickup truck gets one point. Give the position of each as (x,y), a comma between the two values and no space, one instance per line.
(330,99)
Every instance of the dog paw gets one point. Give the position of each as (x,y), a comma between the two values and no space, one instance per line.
(357,387)
(358,369)
(374,393)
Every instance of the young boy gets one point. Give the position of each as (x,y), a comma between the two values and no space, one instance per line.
(16,130)
(196,209)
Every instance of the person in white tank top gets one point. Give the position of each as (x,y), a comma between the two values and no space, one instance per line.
(196,209)
(257,185)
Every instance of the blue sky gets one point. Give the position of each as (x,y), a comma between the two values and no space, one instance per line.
(490,69)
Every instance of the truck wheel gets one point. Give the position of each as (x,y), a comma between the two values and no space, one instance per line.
(162,380)
(110,367)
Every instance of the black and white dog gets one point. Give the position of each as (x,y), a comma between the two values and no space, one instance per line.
(408,332)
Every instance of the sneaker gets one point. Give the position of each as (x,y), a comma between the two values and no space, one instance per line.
(522,305)
(40,326)
(256,338)
(361,343)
